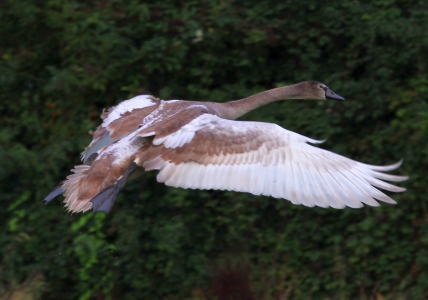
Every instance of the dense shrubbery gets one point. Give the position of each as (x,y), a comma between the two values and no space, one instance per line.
(63,61)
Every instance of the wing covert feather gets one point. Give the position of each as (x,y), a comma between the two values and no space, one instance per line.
(119,121)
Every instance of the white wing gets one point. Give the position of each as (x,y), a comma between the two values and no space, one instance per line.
(118,122)
(265,159)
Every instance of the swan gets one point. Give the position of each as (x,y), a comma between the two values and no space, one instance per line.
(199,145)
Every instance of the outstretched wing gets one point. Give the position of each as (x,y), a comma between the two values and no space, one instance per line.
(118,122)
(264,159)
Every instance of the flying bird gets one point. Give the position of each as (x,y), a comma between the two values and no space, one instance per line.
(199,145)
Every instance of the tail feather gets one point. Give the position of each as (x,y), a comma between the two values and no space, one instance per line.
(96,186)
(72,186)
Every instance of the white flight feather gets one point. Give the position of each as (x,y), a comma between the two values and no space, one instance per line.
(115,113)
(141,101)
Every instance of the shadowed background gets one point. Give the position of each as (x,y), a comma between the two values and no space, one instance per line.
(62,62)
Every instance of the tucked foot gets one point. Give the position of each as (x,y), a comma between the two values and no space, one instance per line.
(55,192)
(104,200)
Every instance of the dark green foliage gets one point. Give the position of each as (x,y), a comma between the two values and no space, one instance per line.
(61,62)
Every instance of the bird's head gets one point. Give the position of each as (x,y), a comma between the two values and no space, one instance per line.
(316,90)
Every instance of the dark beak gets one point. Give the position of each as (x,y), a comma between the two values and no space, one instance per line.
(330,95)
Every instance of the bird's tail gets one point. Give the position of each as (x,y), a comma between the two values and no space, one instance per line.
(95,186)
(77,195)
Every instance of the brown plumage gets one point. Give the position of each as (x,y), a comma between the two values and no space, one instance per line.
(198,145)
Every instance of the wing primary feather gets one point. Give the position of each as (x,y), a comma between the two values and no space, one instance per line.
(303,188)
(373,191)
(314,191)
(292,184)
(387,177)
(384,168)
(381,184)
(365,189)
(333,193)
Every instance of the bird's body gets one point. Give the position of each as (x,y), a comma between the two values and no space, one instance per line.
(199,145)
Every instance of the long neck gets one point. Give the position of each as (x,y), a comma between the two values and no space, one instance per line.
(235,109)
